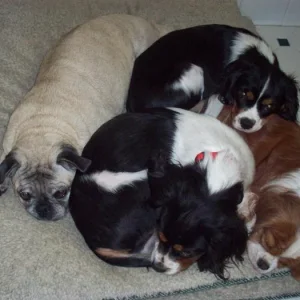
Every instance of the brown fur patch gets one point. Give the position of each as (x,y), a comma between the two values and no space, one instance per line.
(162,237)
(276,149)
(111,253)
(293,264)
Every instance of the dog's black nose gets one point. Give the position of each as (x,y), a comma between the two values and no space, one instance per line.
(247,123)
(159,267)
(44,211)
(262,264)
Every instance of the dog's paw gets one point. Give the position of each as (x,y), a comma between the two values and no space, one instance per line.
(246,209)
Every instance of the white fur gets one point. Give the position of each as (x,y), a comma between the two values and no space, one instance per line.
(214,106)
(223,171)
(264,88)
(244,41)
(172,266)
(256,252)
(251,113)
(201,133)
(112,181)
(191,81)
(289,181)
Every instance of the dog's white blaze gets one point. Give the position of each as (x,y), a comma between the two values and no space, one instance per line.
(191,81)
(112,181)
(289,181)
(244,41)
(214,106)
(251,113)
(264,88)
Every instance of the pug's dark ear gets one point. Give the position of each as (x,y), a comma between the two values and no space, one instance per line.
(8,167)
(157,164)
(70,160)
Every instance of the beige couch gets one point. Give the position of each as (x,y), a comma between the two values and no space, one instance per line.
(50,261)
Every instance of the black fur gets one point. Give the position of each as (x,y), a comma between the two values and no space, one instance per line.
(205,225)
(175,200)
(209,47)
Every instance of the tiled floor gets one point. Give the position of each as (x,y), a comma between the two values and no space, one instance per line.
(288,56)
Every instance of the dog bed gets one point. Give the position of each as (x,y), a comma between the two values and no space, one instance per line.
(50,261)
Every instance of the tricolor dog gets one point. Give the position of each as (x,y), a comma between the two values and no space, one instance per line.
(215,62)
(166,188)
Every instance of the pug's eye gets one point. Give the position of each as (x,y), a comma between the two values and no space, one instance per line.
(60,194)
(26,196)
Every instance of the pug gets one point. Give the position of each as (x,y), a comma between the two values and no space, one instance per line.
(82,83)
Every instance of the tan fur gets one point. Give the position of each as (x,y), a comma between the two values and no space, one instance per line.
(276,148)
(82,83)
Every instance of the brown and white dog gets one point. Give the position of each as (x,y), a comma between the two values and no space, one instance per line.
(275,238)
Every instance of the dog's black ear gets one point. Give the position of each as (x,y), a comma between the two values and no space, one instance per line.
(290,107)
(8,168)
(70,159)
(231,74)
(229,199)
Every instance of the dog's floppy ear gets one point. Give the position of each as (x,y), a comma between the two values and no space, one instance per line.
(69,159)
(289,108)
(8,167)
(229,199)
(231,74)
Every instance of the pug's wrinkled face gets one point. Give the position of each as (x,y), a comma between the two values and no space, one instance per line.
(44,186)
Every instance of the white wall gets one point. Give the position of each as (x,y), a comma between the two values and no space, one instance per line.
(272,12)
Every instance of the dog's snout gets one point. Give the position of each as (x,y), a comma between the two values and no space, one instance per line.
(159,267)
(247,123)
(44,211)
(262,264)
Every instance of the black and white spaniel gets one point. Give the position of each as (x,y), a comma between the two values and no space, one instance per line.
(215,62)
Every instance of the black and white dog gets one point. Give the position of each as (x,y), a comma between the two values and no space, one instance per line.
(214,62)
(165,189)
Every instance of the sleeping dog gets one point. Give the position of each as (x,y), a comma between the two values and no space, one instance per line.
(214,62)
(165,190)
(275,239)
(82,83)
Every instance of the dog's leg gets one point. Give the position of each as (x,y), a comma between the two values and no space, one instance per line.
(246,209)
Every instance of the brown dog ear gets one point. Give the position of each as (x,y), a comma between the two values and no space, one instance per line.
(293,264)
(278,236)
(70,159)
